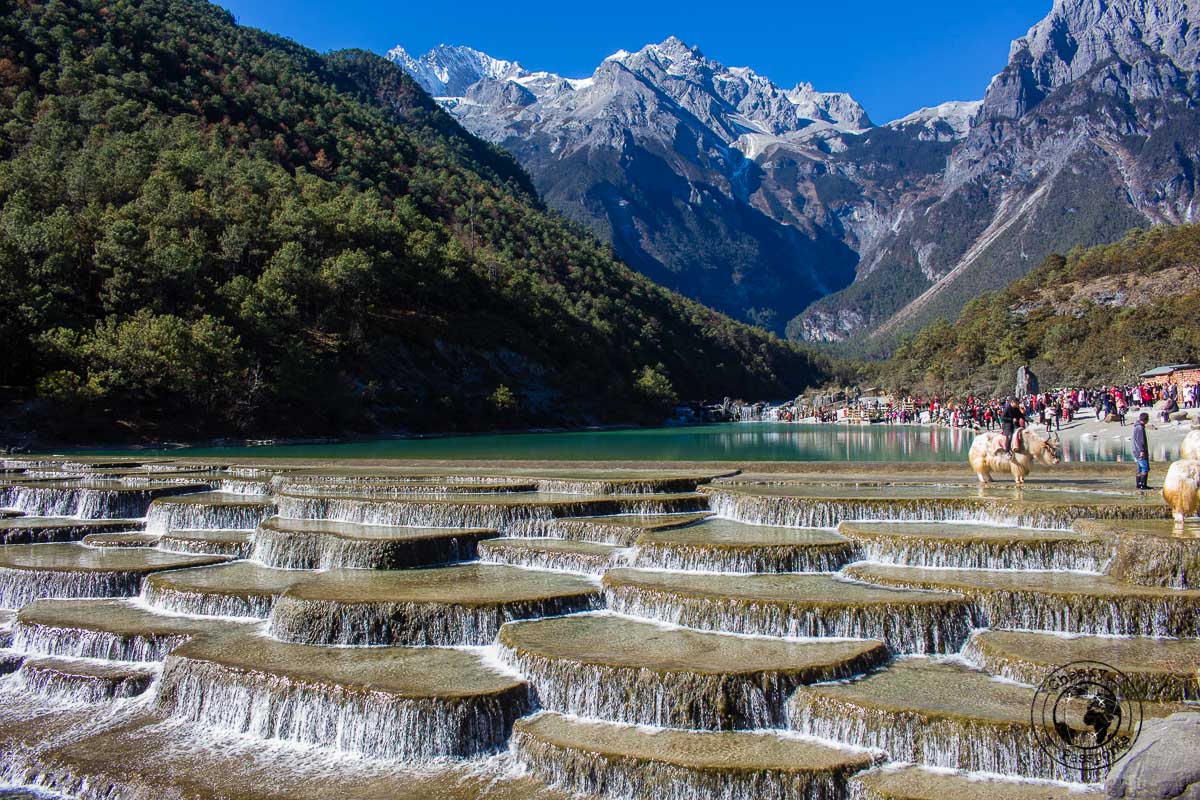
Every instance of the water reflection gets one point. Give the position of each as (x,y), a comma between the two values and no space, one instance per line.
(766,441)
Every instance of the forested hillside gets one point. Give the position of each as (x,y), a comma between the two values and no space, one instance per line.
(1094,316)
(206,229)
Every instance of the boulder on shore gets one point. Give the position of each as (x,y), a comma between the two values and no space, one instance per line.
(1162,765)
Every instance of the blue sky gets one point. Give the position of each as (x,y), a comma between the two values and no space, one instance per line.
(894,57)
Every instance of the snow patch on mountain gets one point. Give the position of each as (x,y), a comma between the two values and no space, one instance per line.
(952,119)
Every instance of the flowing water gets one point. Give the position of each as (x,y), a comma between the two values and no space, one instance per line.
(612,632)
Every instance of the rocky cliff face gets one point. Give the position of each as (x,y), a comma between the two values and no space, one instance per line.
(760,200)
(1089,130)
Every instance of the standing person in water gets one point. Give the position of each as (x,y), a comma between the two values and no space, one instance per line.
(1011,423)
(1141,450)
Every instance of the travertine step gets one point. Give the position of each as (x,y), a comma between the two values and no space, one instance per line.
(120,630)
(562,554)
(621,761)
(325,544)
(1152,552)
(42,530)
(601,483)
(32,571)
(1066,602)
(385,488)
(621,669)
(128,539)
(91,498)
(621,529)
(936,714)
(915,783)
(147,758)
(81,680)
(235,543)
(977,546)
(515,514)
(458,605)
(1162,670)
(805,506)
(208,510)
(240,589)
(407,703)
(794,605)
(722,545)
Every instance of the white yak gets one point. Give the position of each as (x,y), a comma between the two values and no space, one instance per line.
(988,454)
(1181,489)
(1190,449)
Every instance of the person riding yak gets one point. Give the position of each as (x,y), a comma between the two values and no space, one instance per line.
(1012,421)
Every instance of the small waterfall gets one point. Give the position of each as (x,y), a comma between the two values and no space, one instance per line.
(676,699)
(966,744)
(1163,614)
(277,546)
(248,487)
(374,724)
(584,530)
(49,640)
(617,777)
(60,530)
(528,519)
(87,502)
(235,544)
(432,624)
(1150,685)
(81,682)
(750,559)
(911,628)
(805,512)
(1085,555)
(620,530)
(201,513)
(173,600)
(21,586)
(528,553)
(1149,560)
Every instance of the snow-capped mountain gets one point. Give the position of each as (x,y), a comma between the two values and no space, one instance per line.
(948,121)
(759,200)
(448,71)
(1092,128)
(658,151)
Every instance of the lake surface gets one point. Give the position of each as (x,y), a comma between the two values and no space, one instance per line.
(764,441)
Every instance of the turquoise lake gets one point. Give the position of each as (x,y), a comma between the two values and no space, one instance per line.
(728,442)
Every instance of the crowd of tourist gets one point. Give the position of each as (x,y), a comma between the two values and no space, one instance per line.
(1050,409)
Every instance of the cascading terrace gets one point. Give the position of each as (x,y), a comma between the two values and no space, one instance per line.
(600,632)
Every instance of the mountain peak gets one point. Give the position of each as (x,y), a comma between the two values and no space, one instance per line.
(1078,36)
(449,70)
